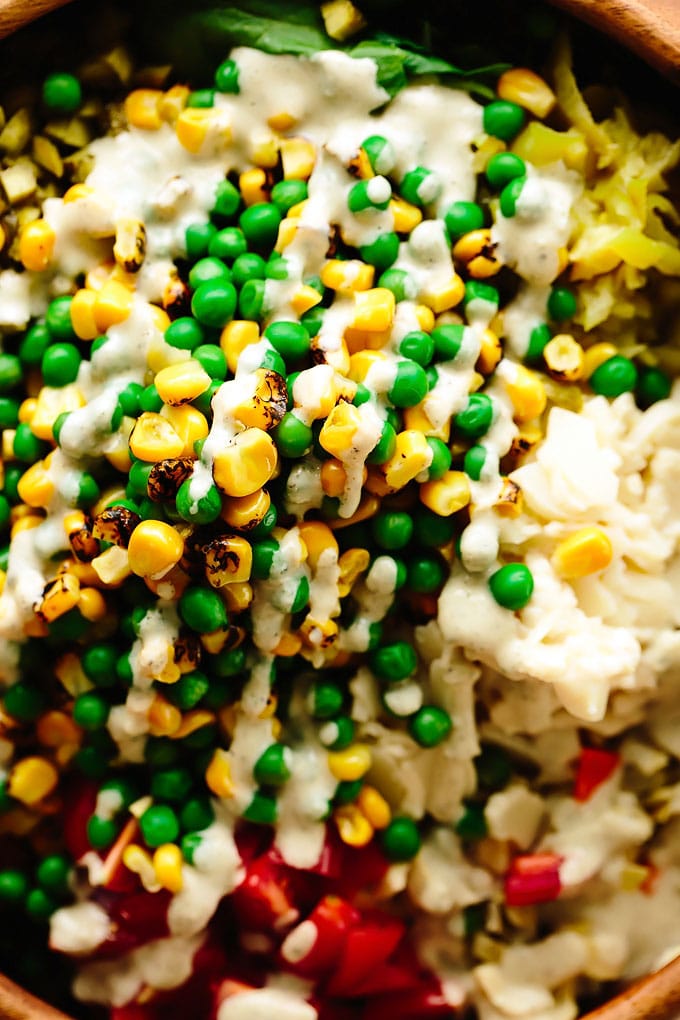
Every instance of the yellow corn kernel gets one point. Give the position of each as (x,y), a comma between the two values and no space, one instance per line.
(32,779)
(182,382)
(24,523)
(264,149)
(27,409)
(564,358)
(138,860)
(253,186)
(82,314)
(337,358)
(172,102)
(477,251)
(228,559)
(511,500)
(51,402)
(218,774)
(363,339)
(368,507)
(317,390)
(296,211)
(586,551)
(8,444)
(445,297)
(596,356)
(238,595)
(416,418)
(142,109)
(374,309)
(160,318)
(350,764)
(129,248)
(319,633)
(447,494)
(342,19)
(153,438)
(333,477)
(264,401)
(92,604)
(411,456)
(60,596)
(524,87)
(317,538)
(215,641)
(117,451)
(36,245)
(288,646)
(167,864)
(193,721)
(304,298)
(246,463)
(632,876)
(288,228)
(527,393)
(236,336)
(164,719)
(282,121)
(112,566)
(406,216)
(361,362)
(375,807)
(70,674)
(353,563)
(490,352)
(194,124)
(298,156)
(350,274)
(353,826)
(55,729)
(246,512)
(35,486)
(155,547)
(189,424)
(337,432)
(425,317)
(76,192)
(113,305)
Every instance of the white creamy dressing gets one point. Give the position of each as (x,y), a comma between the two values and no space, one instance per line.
(373,597)
(283,997)
(274,597)
(79,929)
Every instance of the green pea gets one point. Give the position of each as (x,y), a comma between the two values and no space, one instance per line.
(441,458)
(430,726)
(503,168)
(302,593)
(34,344)
(88,491)
(204,510)
(432,530)
(462,218)
(212,359)
(538,338)
(503,119)
(347,791)
(249,266)
(385,446)
(426,574)
(266,525)
(203,403)
(338,734)
(101,832)
(159,752)
(99,664)
(251,300)
(472,823)
(171,784)
(23,701)
(421,186)
(263,558)
(226,77)
(512,585)
(185,333)
(53,872)
(475,419)
(613,377)
(196,814)
(380,154)
(447,341)
(409,386)
(400,283)
(227,244)
(159,825)
(201,99)
(229,663)
(189,690)
(93,762)
(26,446)
(197,239)
(362,395)
(260,224)
(62,93)
(326,699)
(39,905)
(286,194)
(60,364)
(58,318)
(381,253)
(262,810)
(561,304)
(510,196)
(10,372)
(474,919)
(214,303)
(5,510)
(432,377)
(312,320)
(272,360)
(202,609)
(394,662)
(13,886)
(367,195)
(473,464)
(190,844)
(401,839)
(227,200)
(292,437)
(97,343)
(493,767)
(204,271)
(290,339)
(90,711)
(9,412)
(272,767)
(392,529)
(478,293)
(653,385)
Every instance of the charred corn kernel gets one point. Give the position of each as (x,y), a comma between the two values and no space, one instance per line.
(350,764)
(155,547)
(36,245)
(182,382)
(342,19)
(511,500)
(374,807)
(142,109)
(164,719)
(447,494)
(32,779)
(317,538)
(361,362)
(27,409)
(361,165)
(416,419)
(353,826)
(218,774)
(298,156)
(153,438)
(350,274)
(304,298)
(447,296)
(83,314)
(167,864)
(564,358)
(129,248)
(288,228)
(406,216)
(490,352)
(76,192)
(193,721)
(477,251)
(194,124)
(55,729)
(586,551)
(70,674)
(51,402)
(353,563)
(425,317)
(374,309)
(246,512)
(112,566)
(337,432)
(60,596)
(527,393)
(138,860)
(596,356)
(172,102)
(264,403)
(236,336)
(238,595)
(411,456)
(228,559)
(333,477)
(270,708)
(92,604)
(35,486)
(282,121)
(525,441)
(318,633)
(246,464)
(113,305)
(253,186)
(288,646)
(524,87)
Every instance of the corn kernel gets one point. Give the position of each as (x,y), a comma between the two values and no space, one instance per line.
(167,864)
(77,192)
(287,231)
(172,102)
(112,566)
(524,87)
(375,807)
(153,438)
(71,675)
(159,317)
(142,109)
(60,596)
(342,19)
(218,774)
(288,646)
(374,309)
(353,563)
(27,409)
(83,314)
(155,547)
(337,432)
(585,552)
(35,487)
(253,186)
(139,862)
(425,317)
(304,298)
(238,595)
(333,477)
(164,719)
(411,456)
(263,403)
(416,418)
(445,297)
(447,494)
(246,463)
(354,828)
(236,336)
(317,538)
(282,121)
(348,274)
(298,156)
(527,393)
(189,424)
(564,358)
(92,604)
(193,721)
(361,362)
(228,559)
(129,248)
(318,633)
(36,245)
(490,352)
(477,251)
(51,402)
(55,729)
(350,764)
(194,124)
(246,512)
(596,356)
(182,382)
(511,500)
(264,150)
(406,216)
(368,507)
(112,305)
(32,779)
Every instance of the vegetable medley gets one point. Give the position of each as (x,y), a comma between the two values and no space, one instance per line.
(340,466)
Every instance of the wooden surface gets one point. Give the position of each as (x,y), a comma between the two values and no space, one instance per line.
(657,997)
(15,13)
(16,1004)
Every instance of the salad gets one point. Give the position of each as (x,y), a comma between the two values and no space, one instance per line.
(340,473)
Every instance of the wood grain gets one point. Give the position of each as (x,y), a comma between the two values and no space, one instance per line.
(16,1004)
(16,13)
(656,997)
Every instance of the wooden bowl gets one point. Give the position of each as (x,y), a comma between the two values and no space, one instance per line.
(651,28)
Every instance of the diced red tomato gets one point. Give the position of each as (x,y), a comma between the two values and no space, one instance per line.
(533,878)
(362,868)
(425,1003)
(595,765)
(368,945)
(264,901)
(132,1011)
(80,797)
(332,918)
